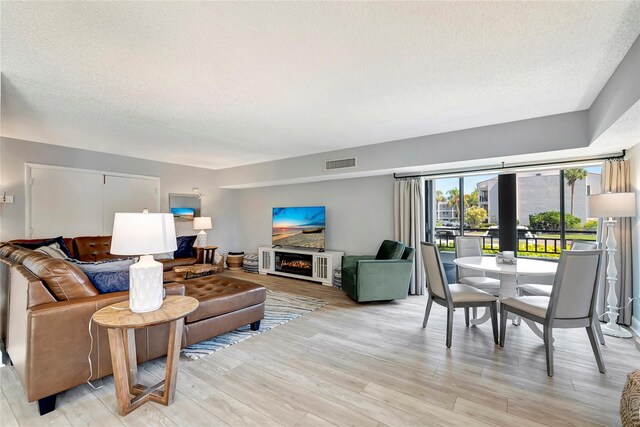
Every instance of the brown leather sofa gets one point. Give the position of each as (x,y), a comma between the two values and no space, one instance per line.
(97,248)
(51,303)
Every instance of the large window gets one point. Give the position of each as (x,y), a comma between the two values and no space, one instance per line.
(469,206)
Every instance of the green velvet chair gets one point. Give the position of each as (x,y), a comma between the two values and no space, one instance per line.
(382,277)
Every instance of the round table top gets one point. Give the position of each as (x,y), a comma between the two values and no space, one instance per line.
(120,316)
(530,267)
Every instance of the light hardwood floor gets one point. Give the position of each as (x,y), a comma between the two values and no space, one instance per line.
(365,365)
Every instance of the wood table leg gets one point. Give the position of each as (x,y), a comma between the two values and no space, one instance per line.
(120,371)
(132,360)
(173,356)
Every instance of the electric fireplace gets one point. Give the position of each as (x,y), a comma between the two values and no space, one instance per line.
(300,264)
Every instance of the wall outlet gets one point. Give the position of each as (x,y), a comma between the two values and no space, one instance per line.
(6,199)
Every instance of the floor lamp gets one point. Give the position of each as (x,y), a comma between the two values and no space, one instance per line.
(612,205)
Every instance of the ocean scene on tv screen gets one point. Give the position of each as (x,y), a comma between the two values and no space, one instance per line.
(300,227)
(183,213)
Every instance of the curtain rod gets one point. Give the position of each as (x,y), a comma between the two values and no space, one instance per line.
(515,167)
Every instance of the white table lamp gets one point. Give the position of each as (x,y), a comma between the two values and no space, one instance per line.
(609,206)
(202,223)
(144,234)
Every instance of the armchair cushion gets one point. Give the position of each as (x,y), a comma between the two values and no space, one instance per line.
(390,249)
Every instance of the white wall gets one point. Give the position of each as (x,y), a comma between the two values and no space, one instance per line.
(359,212)
(634,159)
(173,179)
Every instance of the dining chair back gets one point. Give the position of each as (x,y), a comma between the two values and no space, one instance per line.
(584,245)
(468,247)
(573,294)
(436,277)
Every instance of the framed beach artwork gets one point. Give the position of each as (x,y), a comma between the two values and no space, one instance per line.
(184,207)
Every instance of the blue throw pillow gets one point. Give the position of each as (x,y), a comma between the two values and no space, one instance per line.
(185,247)
(112,281)
(59,240)
(106,266)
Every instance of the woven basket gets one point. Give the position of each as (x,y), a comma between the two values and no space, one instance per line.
(234,262)
(630,401)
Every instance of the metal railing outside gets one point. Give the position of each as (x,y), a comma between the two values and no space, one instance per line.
(541,242)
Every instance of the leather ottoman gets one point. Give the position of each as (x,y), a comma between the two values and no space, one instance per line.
(226,303)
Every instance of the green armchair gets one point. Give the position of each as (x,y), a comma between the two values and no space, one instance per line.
(382,277)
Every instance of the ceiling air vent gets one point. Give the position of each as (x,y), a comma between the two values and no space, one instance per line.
(340,164)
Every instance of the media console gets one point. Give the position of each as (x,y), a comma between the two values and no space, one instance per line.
(306,264)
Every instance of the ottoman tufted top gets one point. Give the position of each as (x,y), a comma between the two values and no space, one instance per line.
(219,295)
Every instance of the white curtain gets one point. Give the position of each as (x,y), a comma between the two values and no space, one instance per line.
(616,178)
(408,218)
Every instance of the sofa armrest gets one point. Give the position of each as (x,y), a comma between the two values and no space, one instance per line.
(352,260)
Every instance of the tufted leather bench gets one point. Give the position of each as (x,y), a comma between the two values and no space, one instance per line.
(220,295)
(226,303)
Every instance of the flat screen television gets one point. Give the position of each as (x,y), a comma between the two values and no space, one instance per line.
(298,227)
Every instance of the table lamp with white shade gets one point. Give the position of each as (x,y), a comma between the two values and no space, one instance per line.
(144,234)
(609,206)
(202,223)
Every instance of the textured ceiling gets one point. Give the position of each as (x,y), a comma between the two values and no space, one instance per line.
(221,84)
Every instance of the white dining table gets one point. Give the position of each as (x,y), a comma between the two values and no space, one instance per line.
(508,274)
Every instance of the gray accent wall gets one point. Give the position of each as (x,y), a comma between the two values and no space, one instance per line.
(173,179)
(359,212)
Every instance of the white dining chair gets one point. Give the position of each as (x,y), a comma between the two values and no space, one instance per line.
(468,247)
(453,296)
(570,305)
(544,290)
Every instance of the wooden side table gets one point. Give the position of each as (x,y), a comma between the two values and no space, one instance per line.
(122,323)
(208,253)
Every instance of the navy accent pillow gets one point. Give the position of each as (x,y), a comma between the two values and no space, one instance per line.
(59,240)
(110,281)
(185,247)
(105,266)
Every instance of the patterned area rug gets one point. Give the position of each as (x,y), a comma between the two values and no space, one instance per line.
(280,307)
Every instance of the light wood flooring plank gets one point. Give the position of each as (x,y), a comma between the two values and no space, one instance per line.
(365,365)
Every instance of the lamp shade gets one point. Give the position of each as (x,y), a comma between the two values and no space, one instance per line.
(605,205)
(202,223)
(143,234)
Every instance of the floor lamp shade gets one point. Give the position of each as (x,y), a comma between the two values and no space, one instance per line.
(144,234)
(609,206)
(202,223)
(605,205)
